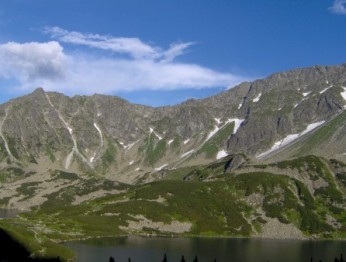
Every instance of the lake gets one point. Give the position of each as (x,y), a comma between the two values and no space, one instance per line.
(142,249)
(9,213)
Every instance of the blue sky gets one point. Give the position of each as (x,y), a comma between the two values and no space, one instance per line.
(159,52)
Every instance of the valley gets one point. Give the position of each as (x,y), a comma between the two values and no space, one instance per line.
(265,159)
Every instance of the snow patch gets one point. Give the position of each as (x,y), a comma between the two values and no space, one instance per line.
(237,123)
(212,133)
(187,153)
(324,90)
(151,130)
(186,141)
(137,169)
(75,147)
(312,127)
(257,98)
(69,160)
(160,167)
(306,93)
(221,154)
(217,120)
(3,137)
(343,94)
(92,158)
(290,138)
(158,136)
(127,147)
(100,133)
(131,162)
(240,105)
(170,141)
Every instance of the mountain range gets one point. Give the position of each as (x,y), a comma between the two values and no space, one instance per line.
(262,159)
(123,141)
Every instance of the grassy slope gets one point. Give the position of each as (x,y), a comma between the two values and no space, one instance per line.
(215,208)
(318,142)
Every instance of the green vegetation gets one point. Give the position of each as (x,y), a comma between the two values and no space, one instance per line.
(154,150)
(321,135)
(176,143)
(39,246)
(211,147)
(59,174)
(109,156)
(12,145)
(50,153)
(11,174)
(213,201)
(27,189)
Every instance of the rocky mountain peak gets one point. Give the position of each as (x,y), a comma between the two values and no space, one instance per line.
(108,134)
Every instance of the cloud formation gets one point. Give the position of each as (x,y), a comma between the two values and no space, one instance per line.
(144,66)
(338,7)
(123,45)
(31,61)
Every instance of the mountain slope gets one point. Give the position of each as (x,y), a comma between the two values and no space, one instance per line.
(108,135)
(328,140)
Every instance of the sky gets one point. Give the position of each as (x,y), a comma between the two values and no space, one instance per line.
(161,52)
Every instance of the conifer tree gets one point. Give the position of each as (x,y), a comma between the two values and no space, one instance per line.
(164,258)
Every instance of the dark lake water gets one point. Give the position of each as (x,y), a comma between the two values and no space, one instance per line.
(8,213)
(142,249)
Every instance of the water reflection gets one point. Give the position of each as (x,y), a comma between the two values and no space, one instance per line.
(207,249)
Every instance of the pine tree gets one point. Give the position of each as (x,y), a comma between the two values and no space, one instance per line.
(196,259)
(182,259)
(164,258)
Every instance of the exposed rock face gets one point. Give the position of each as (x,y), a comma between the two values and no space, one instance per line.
(234,162)
(108,134)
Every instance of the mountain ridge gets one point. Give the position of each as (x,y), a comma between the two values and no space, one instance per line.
(108,134)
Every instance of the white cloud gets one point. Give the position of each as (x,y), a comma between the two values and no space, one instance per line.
(147,67)
(338,7)
(134,47)
(31,61)
(88,75)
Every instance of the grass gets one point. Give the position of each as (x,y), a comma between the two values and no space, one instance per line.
(12,145)
(49,153)
(154,150)
(28,189)
(109,156)
(219,207)
(10,174)
(322,134)
(27,237)
(211,147)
